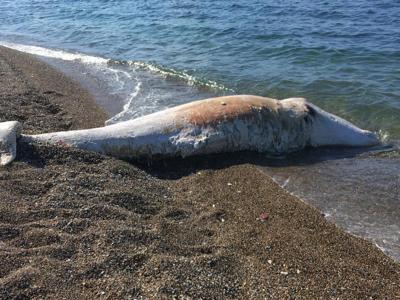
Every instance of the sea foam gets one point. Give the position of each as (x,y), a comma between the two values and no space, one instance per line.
(58,54)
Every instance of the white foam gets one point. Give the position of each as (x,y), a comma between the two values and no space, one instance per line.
(126,109)
(140,85)
(166,73)
(58,54)
(96,66)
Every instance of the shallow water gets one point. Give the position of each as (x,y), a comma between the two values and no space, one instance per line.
(140,57)
(343,56)
(358,191)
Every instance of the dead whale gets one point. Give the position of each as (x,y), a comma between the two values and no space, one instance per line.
(222,124)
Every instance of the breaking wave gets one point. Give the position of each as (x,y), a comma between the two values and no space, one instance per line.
(136,88)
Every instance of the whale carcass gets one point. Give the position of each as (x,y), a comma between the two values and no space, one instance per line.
(222,124)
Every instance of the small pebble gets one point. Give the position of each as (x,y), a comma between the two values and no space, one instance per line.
(229,183)
(284,273)
(264,216)
(270,261)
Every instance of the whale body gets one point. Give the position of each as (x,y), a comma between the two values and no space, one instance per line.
(222,124)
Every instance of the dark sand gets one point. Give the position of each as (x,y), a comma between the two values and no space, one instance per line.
(77,225)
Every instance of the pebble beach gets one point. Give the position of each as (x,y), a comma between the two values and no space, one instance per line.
(78,225)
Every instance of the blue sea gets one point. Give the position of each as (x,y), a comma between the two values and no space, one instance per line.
(137,57)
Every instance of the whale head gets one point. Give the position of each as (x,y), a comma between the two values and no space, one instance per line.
(330,130)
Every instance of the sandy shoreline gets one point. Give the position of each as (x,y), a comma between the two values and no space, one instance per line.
(80,225)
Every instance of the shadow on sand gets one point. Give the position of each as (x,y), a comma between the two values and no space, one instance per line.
(38,155)
(175,168)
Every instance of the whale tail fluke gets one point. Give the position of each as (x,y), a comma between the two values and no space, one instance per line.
(9,132)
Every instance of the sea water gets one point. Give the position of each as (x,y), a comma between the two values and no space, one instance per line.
(138,57)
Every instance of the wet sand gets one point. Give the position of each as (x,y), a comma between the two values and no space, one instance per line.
(77,225)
